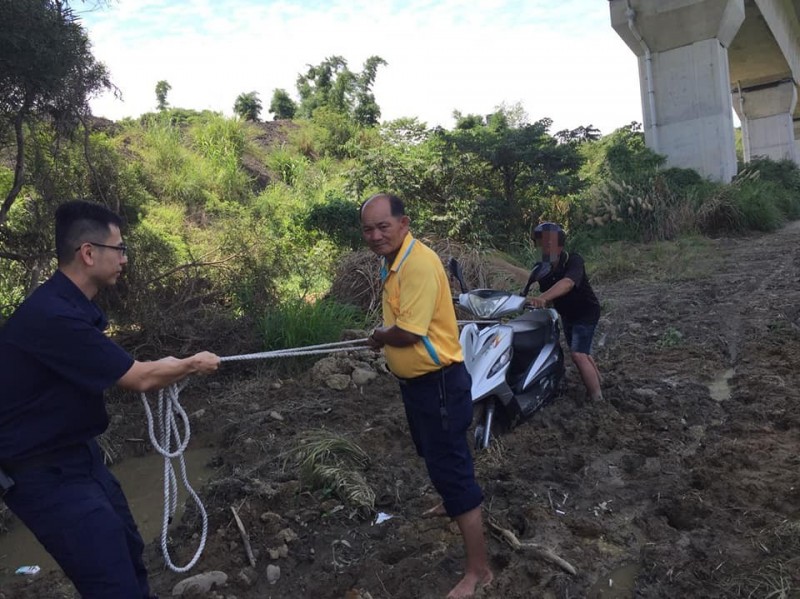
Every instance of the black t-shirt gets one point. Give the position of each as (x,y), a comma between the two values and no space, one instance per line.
(55,363)
(580,304)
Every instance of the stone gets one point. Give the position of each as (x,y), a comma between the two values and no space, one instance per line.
(338,382)
(287,535)
(362,376)
(276,416)
(279,552)
(273,573)
(248,576)
(200,583)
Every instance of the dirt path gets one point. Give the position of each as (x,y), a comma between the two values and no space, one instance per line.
(685,482)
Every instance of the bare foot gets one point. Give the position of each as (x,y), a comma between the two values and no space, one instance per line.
(435,512)
(467,585)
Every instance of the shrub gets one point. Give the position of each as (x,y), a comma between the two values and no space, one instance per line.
(756,203)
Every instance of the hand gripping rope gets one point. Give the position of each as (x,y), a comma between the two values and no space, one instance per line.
(171,443)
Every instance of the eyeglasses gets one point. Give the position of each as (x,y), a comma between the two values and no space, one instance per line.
(122,248)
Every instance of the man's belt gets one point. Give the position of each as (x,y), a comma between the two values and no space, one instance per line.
(429,377)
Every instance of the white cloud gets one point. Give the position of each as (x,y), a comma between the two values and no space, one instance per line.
(559,59)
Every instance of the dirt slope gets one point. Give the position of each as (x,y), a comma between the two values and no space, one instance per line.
(685,482)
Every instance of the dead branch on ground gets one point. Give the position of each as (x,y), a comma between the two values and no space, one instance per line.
(534,548)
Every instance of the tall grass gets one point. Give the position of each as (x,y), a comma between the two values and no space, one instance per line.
(297,323)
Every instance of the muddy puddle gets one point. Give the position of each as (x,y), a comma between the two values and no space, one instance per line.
(142,480)
(618,584)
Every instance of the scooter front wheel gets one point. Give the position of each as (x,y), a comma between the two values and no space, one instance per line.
(479,433)
(483,431)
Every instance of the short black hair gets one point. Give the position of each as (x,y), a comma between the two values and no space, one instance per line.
(396,206)
(78,222)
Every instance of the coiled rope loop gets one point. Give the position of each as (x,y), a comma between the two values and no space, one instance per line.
(172,444)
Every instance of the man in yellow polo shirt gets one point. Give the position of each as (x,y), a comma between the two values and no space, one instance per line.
(420,341)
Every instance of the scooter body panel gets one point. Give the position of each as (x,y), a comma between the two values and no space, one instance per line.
(519,362)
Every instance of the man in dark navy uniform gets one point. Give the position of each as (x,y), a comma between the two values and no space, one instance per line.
(55,363)
(568,288)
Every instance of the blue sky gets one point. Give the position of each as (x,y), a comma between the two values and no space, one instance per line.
(557,58)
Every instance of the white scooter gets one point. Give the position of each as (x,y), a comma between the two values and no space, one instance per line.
(516,365)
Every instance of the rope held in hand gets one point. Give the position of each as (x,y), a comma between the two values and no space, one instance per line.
(171,442)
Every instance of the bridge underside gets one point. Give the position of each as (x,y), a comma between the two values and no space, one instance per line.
(696,57)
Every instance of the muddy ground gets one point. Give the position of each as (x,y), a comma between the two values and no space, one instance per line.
(684,482)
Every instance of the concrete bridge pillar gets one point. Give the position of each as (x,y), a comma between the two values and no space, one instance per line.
(684,78)
(796,124)
(767,126)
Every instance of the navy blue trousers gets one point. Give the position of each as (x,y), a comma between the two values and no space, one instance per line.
(439,411)
(77,510)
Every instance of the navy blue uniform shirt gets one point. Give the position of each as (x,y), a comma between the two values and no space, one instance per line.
(55,363)
(580,304)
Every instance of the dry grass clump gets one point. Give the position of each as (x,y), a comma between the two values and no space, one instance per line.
(719,214)
(357,280)
(653,212)
(332,462)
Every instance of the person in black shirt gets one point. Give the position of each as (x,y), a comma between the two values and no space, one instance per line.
(567,287)
(55,363)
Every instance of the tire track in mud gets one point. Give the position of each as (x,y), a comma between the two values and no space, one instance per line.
(722,469)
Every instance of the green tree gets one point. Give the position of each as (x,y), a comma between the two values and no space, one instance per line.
(620,156)
(248,106)
(282,106)
(162,89)
(47,70)
(332,85)
(524,165)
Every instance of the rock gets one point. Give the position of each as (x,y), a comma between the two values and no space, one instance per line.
(287,535)
(273,573)
(338,382)
(248,576)
(361,376)
(353,334)
(329,505)
(697,432)
(645,393)
(272,522)
(276,416)
(198,414)
(276,385)
(200,583)
(326,367)
(279,552)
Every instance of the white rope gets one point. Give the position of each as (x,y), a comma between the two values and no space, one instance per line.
(168,433)
(168,407)
(308,350)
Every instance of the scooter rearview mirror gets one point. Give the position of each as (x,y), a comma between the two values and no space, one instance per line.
(455,270)
(540,271)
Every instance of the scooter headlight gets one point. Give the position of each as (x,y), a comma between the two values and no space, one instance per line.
(484,307)
(504,359)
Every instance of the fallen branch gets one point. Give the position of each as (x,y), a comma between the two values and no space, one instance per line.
(193,264)
(534,548)
(245,538)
